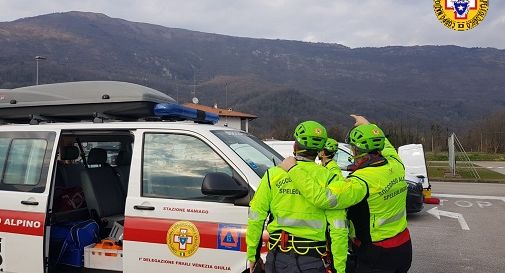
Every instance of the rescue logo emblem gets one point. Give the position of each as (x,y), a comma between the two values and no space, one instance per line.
(229,236)
(318,131)
(460,15)
(183,239)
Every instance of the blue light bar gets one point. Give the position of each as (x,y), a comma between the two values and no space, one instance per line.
(179,112)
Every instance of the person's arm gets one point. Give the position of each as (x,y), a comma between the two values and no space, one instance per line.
(339,238)
(333,167)
(338,194)
(258,212)
(389,150)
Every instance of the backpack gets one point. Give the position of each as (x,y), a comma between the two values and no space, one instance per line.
(70,239)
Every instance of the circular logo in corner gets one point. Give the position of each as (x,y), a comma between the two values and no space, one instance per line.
(460,15)
(183,239)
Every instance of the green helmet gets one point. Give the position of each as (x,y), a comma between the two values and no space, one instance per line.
(311,135)
(331,145)
(367,138)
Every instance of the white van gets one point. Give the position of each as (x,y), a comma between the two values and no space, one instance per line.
(130,158)
(412,156)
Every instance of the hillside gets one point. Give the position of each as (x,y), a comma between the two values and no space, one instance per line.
(280,81)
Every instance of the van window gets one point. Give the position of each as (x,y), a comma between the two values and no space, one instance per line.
(174,166)
(4,148)
(24,161)
(111,147)
(253,151)
(343,159)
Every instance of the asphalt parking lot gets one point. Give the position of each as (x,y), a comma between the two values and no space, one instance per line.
(468,237)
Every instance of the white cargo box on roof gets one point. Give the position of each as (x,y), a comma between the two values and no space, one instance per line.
(80,100)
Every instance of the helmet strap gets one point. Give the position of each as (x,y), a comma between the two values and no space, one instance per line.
(300,157)
(303,158)
(300,150)
(358,156)
(297,152)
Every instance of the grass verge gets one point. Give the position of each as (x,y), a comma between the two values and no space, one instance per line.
(437,173)
(442,156)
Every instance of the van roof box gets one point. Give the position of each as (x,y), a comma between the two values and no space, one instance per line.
(74,101)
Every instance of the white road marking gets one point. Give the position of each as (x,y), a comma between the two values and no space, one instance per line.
(467,204)
(437,213)
(463,196)
(483,204)
(463,203)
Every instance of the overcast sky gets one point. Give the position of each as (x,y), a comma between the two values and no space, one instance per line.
(348,22)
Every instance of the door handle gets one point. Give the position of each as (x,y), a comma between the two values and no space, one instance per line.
(30,203)
(138,207)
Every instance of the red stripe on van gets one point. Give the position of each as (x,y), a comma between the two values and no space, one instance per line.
(151,230)
(20,222)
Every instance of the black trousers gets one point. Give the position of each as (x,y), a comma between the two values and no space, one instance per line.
(279,262)
(376,259)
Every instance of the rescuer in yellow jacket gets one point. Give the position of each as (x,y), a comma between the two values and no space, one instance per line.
(327,156)
(382,238)
(297,228)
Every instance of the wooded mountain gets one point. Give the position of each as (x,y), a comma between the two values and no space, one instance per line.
(281,81)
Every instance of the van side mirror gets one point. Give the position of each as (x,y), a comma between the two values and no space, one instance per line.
(222,184)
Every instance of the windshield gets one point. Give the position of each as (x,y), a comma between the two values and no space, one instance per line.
(343,158)
(253,151)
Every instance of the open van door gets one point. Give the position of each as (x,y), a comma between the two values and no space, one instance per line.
(26,164)
(412,156)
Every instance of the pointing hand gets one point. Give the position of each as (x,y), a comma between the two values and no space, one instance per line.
(360,120)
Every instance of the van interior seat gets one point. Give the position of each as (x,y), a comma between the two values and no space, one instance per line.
(69,201)
(102,188)
(123,161)
(70,172)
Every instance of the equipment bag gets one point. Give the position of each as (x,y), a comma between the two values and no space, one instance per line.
(76,236)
